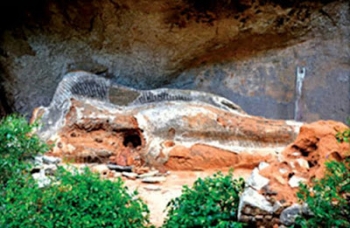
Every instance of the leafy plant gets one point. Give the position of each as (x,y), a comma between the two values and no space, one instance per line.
(77,200)
(212,202)
(17,143)
(344,136)
(329,197)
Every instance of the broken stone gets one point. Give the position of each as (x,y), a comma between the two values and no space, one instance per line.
(51,160)
(101,169)
(268,191)
(295,154)
(119,168)
(141,170)
(149,174)
(252,198)
(280,179)
(256,180)
(116,174)
(131,176)
(41,179)
(38,160)
(303,163)
(153,179)
(263,165)
(50,169)
(283,171)
(276,206)
(75,169)
(152,188)
(289,214)
(294,181)
(306,210)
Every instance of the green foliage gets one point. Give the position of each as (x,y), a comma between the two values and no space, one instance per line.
(77,200)
(329,197)
(17,143)
(80,200)
(344,136)
(212,202)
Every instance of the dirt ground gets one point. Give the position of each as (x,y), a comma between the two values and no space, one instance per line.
(158,195)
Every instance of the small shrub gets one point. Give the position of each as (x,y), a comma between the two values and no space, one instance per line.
(80,200)
(344,136)
(212,202)
(17,143)
(329,197)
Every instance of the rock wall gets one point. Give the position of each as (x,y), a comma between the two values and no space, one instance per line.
(246,51)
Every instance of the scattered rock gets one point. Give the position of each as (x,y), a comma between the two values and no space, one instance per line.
(153,179)
(119,168)
(131,176)
(41,179)
(295,154)
(256,181)
(116,174)
(294,181)
(149,174)
(101,169)
(141,170)
(252,198)
(263,165)
(152,188)
(280,180)
(51,160)
(38,160)
(306,210)
(50,169)
(302,163)
(277,206)
(289,214)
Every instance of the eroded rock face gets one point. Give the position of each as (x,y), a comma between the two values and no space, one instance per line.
(170,129)
(246,51)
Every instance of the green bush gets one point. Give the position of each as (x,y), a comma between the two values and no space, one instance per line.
(77,200)
(212,202)
(329,197)
(344,136)
(17,143)
(81,200)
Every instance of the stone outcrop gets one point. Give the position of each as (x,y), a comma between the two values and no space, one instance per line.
(245,50)
(179,130)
